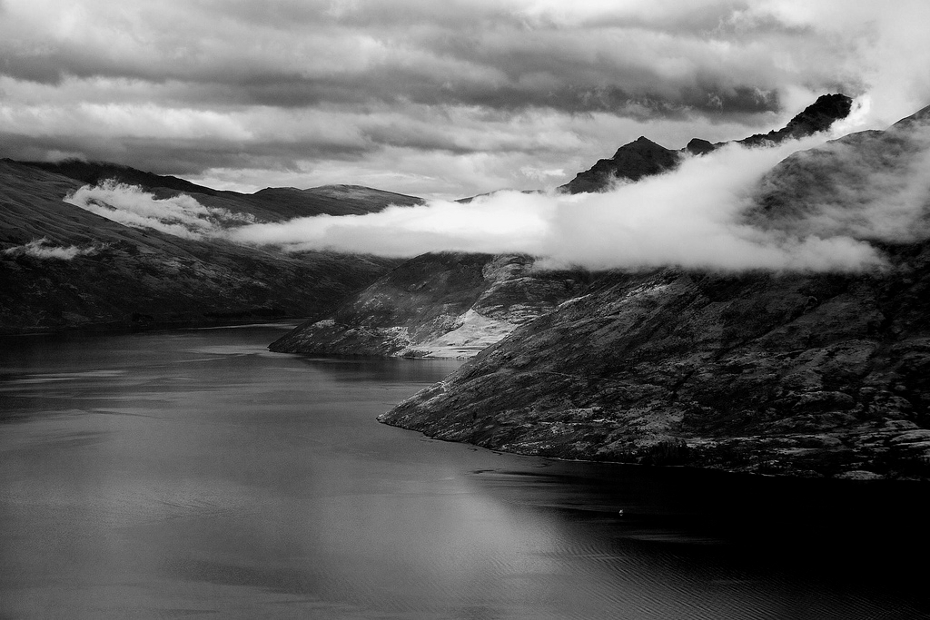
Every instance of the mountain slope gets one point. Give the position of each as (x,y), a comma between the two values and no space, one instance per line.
(436,305)
(62,266)
(799,374)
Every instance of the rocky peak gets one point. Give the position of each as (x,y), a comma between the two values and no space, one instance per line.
(632,161)
(643,147)
(815,118)
(697,146)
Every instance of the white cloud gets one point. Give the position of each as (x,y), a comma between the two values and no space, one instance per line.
(44,249)
(180,216)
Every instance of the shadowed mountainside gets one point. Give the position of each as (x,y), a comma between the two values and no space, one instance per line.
(64,267)
(789,374)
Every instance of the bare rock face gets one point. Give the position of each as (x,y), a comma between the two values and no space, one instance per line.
(786,374)
(437,305)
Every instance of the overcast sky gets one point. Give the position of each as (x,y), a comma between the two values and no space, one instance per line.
(436,99)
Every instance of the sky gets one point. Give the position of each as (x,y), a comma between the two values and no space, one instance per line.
(435,99)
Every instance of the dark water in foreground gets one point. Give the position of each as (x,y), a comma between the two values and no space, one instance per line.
(194,474)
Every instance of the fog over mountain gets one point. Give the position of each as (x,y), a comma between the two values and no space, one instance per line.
(691,216)
(702,214)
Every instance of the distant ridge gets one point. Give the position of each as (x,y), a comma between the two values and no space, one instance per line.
(271,203)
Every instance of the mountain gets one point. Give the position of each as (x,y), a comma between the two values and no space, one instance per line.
(437,305)
(643,157)
(776,373)
(62,266)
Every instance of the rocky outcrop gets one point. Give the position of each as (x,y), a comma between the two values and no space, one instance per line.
(785,374)
(642,157)
(437,305)
(817,117)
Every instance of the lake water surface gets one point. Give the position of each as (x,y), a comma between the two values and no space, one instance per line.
(194,474)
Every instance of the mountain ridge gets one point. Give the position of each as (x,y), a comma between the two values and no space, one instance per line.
(643,157)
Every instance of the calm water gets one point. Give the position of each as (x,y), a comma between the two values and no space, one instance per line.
(194,474)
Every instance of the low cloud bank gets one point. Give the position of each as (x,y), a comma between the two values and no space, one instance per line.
(181,216)
(44,249)
(707,214)
(693,217)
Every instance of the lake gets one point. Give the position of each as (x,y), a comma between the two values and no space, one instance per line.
(195,474)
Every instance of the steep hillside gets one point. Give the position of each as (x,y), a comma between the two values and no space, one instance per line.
(62,267)
(437,305)
(799,374)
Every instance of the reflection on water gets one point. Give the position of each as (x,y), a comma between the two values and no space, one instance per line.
(196,474)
